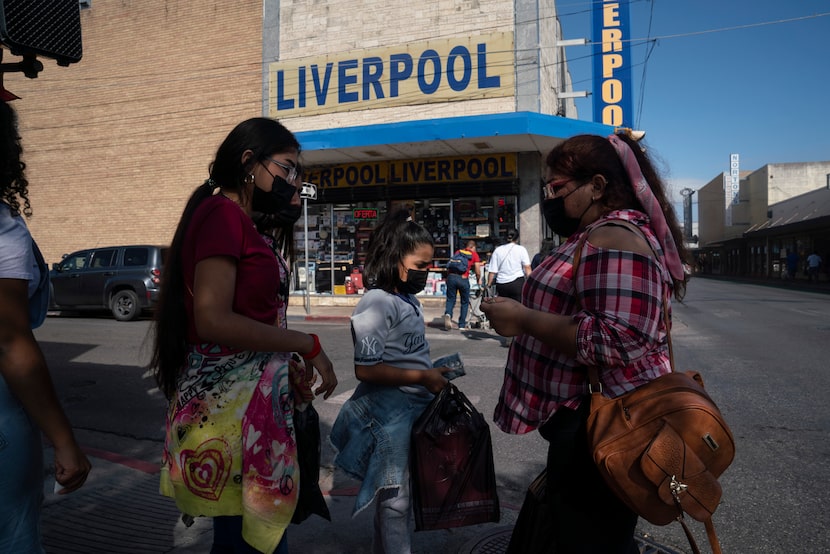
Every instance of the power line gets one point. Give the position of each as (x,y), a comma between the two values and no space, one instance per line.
(222,72)
(645,66)
(725,29)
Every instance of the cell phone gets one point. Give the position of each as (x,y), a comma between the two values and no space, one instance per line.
(455,373)
(454,362)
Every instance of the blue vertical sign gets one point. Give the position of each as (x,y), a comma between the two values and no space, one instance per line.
(612,63)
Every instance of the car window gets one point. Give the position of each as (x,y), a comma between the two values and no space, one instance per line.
(103,258)
(75,261)
(135,256)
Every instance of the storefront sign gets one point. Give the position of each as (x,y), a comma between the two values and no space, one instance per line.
(411,172)
(731,187)
(443,70)
(365,214)
(612,63)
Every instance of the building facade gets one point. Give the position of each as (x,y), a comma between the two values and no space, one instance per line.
(444,107)
(779,209)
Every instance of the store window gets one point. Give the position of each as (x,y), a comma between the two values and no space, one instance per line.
(338,235)
(485,220)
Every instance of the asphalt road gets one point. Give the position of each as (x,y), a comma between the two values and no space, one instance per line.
(762,351)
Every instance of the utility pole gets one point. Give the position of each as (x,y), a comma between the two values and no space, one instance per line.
(687,213)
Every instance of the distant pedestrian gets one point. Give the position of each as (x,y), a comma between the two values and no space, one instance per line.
(396,378)
(508,267)
(792,264)
(458,284)
(222,349)
(28,402)
(813,266)
(544,252)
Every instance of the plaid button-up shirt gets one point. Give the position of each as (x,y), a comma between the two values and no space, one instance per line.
(621,328)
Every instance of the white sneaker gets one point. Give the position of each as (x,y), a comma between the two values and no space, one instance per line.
(447,322)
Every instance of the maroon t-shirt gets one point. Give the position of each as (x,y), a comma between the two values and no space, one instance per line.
(220,228)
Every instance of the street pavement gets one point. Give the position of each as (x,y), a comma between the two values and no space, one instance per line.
(119,509)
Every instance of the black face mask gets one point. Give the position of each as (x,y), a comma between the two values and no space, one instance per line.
(559,222)
(416,280)
(277,203)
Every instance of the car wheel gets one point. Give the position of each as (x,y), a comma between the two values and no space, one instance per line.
(125,306)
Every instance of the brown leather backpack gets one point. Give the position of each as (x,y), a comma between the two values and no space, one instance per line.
(661,447)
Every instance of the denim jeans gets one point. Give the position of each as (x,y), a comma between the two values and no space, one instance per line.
(227,538)
(21,477)
(457,283)
(393,520)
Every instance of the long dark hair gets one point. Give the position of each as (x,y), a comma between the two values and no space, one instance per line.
(13,183)
(395,237)
(264,137)
(283,234)
(583,156)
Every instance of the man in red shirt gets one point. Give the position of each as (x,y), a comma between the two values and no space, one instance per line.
(460,283)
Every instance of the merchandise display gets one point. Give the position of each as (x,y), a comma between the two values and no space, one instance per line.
(338,235)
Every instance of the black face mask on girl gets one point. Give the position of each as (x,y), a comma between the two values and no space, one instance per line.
(277,203)
(416,280)
(559,222)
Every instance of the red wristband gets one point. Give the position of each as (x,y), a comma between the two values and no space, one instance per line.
(315,350)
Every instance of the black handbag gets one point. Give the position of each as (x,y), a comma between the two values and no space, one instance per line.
(533,531)
(451,458)
(307,431)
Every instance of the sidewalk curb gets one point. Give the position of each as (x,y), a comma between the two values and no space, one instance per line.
(322,318)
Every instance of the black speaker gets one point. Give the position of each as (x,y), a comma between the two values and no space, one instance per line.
(46,28)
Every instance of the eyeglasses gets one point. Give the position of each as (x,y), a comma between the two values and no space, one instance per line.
(549,187)
(292,171)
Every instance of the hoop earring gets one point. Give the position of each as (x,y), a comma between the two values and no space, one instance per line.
(249,180)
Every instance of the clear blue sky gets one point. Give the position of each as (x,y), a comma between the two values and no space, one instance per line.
(713,85)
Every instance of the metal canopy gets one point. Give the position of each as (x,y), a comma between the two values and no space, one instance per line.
(452,136)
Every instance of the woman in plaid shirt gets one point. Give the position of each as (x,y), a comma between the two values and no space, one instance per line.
(610,314)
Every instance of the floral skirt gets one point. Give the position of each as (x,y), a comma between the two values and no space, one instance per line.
(230,446)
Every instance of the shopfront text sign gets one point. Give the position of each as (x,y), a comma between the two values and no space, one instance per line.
(412,172)
(461,68)
(731,187)
(364,213)
(612,63)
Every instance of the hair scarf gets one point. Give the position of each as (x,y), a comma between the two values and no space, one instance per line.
(651,207)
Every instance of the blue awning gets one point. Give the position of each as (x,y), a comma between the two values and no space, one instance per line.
(451,136)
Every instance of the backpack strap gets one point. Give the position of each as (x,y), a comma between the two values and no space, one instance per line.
(577,259)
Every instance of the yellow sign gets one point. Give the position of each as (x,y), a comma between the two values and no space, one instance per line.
(462,68)
(497,167)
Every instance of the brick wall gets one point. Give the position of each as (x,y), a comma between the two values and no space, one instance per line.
(115,144)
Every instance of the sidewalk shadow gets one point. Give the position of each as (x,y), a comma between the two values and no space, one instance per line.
(351,534)
(119,510)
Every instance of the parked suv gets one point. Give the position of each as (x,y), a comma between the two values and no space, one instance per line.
(122,279)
